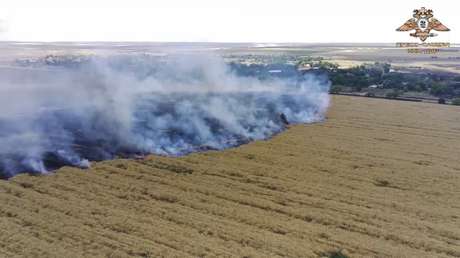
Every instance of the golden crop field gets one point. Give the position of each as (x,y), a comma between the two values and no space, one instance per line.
(379,178)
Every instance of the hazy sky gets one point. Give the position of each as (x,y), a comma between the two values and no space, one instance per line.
(218,21)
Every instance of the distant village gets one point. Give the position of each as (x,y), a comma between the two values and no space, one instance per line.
(380,80)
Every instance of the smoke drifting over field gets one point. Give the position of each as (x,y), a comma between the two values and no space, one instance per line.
(102,108)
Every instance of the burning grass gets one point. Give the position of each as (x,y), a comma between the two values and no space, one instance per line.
(129,106)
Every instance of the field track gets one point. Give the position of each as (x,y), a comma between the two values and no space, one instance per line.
(378,178)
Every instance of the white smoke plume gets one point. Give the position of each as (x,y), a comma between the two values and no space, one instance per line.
(103,108)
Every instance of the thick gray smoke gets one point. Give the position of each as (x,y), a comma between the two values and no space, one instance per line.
(102,108)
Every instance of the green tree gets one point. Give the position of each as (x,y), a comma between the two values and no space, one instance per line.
(438,89)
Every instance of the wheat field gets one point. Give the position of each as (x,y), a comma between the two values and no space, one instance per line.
(378,178)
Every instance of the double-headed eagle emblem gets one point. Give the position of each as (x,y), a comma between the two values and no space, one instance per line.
(423,22)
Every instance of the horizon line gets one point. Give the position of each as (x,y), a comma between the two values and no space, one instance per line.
(204,42)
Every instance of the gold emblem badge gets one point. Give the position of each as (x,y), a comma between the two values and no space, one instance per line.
(423,22)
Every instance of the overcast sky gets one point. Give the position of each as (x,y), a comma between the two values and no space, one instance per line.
(218,21)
